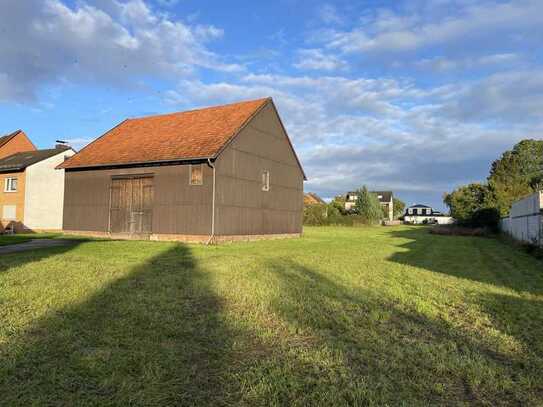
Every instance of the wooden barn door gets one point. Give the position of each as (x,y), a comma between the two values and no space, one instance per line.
(131,207)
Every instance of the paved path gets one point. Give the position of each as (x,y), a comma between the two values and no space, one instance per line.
(36,244)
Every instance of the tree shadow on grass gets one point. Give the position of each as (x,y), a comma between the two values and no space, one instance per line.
(388,354)
(484,260)
(154,337)
(12,261)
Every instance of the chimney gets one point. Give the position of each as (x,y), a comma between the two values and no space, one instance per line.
(61,145)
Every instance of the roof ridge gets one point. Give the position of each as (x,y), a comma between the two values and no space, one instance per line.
(23,159)
(199,109)
(7,137)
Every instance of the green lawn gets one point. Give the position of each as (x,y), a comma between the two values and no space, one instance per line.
(343,316)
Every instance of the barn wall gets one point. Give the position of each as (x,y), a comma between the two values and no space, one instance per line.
(178,208)
(242,207)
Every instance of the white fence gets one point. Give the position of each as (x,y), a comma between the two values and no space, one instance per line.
(525,221)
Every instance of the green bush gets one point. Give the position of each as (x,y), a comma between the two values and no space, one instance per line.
(368,207)
(315,215)
(488,218)
(330,215)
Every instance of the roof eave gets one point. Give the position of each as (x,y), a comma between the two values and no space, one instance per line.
(12,169)
(175,161)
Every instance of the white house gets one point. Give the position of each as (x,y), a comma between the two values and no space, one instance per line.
(423,214)
(32,194)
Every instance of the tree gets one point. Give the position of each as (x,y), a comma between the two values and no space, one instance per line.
(315,215)
(399,207)
(368,207)
(465,201)
(339,203)
(516,173)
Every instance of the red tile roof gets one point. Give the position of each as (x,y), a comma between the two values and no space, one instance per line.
(313,199)
(194,134)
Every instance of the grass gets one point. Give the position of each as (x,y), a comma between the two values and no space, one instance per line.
(25,237)
(343,316)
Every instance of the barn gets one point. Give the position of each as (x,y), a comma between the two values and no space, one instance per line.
(214,174)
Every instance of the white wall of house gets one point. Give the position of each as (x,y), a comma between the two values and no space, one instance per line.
(420,219)
(44,193)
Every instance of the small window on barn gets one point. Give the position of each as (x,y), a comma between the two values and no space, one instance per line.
(10,185)
(265,180)
(196,174)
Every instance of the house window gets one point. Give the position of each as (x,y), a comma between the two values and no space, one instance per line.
(10,185)
(9,212)
(265,180)
(196,174)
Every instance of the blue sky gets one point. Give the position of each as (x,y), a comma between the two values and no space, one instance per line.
(413,96)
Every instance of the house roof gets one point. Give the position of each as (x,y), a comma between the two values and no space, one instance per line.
(311,199)
(19,161)
(419,206)
(191,135)
(385,196)
(5,139)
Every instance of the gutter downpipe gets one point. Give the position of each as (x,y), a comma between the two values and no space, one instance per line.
(212,236)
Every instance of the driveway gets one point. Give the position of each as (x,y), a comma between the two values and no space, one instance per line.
(36,244)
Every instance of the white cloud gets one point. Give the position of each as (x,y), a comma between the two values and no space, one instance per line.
(78,143)
(329,14)
(509,98)
(442,64)
(387,31)
(167,3)
(315,59)
(390,134)
(114,44)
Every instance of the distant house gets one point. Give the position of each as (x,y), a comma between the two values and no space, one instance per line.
(15,142)
(386,199)
(313,199)
(422,214)
(32,190)
(220,173)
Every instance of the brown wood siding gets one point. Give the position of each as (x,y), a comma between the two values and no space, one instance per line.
(178,208)
(242,207)
(131,208)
